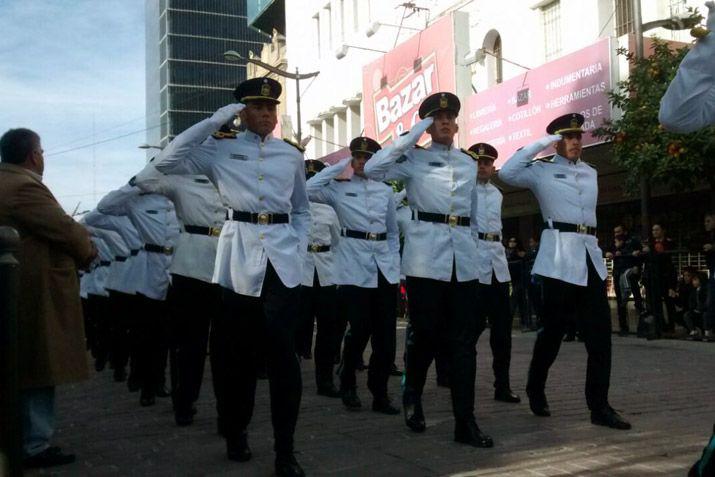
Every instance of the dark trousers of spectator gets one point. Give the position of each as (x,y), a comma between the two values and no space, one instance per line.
(318,303)
(99,327)
(121,309)
(621,301)
(493,306)
(193,304)
(371,313)
(536,302)
(149,336)
(250,329)
(518,301)
(442,312)
(709,314)
(589,305)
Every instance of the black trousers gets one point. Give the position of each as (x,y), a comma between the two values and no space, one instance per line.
(319,304)
(493,306)
(193,305)
(121,309)
(444,311)
(98,326)
(148,334)
(371,313)
(589,306)
(250,327)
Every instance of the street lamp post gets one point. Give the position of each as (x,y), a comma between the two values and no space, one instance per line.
(297,76)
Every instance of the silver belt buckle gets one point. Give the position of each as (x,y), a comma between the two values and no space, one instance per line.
(582,229)
(263,218)
(372,236)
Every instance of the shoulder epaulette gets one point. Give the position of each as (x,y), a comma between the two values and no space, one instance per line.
(545,160)
(224,135)
(469,153)
(341,179)
(295,145)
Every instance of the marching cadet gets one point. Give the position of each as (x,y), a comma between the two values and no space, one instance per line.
(438,259)
(688,104)
(125,272)
(317,295)
(570,262)
(259,259)
(366,269)
(493,287)
(192,299)
(154,218)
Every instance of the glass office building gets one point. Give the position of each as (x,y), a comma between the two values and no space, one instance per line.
(187,77)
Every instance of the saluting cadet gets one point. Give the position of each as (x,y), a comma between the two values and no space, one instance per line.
(366,269)
(317,296)
(192,299)
(438,259)
(570,262)
(689,102)
(493,288)
(125,272)
(259,262)
(154,218)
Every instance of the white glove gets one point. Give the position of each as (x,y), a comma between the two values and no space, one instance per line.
(228,112)
(547,141)
(403,143)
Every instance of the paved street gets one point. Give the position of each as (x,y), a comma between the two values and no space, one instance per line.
(665,388)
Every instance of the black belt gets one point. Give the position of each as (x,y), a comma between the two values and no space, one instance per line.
(135,252)
(489,237)
(150,247)
(576,228)
(119,258)
(262,218)
(451,220)
(201,230)
(105,263)
(363,235)
(315,248)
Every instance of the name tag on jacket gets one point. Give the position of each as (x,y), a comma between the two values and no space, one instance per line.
(560,176)
(239,157)
(351,194)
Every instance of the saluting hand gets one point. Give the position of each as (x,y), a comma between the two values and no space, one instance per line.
(228,112)
(547,141)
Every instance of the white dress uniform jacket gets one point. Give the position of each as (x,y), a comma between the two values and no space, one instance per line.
(689,102)
(93,281)
(491,257)
(129,262)
(567,192)
(442,180)
(324,230)
(197,203)
(252,175)
(154,218)
(363,205)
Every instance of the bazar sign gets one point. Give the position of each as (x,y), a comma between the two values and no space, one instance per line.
(395,84)
(516,112)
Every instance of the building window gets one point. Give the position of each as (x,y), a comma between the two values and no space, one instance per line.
(356,15)
(677,8)
(624,17)
(552,29)
(316,32)
(499,66)
(329,26)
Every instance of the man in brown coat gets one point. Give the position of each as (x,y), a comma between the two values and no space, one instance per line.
(50,326)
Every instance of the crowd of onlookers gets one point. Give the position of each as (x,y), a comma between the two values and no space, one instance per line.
(670,302)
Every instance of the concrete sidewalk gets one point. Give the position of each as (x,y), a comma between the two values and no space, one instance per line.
(665,388)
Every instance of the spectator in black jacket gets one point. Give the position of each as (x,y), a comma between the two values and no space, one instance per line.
(626,255)
(534,284)
(660,281)
(709,249)
(515,257)
(696,306)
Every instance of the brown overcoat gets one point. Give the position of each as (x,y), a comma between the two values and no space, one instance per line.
(51,337)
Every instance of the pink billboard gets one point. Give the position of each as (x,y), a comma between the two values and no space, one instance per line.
(395,84)
(516,112)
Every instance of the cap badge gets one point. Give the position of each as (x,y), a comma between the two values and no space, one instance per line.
(265,89)
(574,123)
(363,145)
(443,102)
(481,150)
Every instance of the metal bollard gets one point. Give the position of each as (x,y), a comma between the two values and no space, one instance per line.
(10,424)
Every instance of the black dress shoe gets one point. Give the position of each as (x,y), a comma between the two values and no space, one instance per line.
(569,338)
(351,399)
(237,448)
(384,406)
(506,395)
(608,417)
(394,371)
(414,416)
(287,466)
(329,390)
(162,392)
(469,433)
(49,457)
(539,405)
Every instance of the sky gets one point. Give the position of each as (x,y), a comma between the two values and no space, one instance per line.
(73,71)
